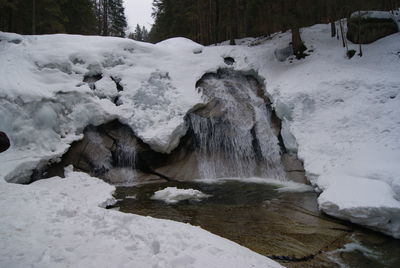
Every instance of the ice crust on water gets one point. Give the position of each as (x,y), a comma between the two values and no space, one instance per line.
(173,195)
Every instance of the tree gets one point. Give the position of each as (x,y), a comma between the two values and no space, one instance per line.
(117,18)
(145,34)
(80,17)
(140,34)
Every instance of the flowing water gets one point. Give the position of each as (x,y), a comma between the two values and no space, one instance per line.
(234,134)
(284,226)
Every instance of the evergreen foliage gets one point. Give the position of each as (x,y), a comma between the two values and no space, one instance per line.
(104,17)
(212,21)
(140,34)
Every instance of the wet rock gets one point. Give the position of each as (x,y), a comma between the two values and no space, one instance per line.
(4,142)
(111,152)
(294,168)
(282,54)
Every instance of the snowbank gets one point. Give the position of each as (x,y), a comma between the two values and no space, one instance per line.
(58,223)
(173,195)
(45,104)
(344,115)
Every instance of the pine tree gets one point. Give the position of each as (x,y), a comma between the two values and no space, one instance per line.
(145,34)
(140,34)
(81,17)
(117,18)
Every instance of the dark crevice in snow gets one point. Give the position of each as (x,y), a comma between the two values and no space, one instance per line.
(4,142)
(117,82)
(92,79)
(229,60)
(117,101)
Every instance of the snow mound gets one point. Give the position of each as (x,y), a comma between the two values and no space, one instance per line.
(173,195)
(58,223)
(375,205)
(182,44)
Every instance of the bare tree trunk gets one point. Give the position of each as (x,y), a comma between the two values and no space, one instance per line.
(216,34)
(342,33)
(231,26)
(105,17)
(359,33)
(333,29)
(33,16)
(297,43)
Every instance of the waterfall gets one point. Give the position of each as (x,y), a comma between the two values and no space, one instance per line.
(125,154)
(233,133)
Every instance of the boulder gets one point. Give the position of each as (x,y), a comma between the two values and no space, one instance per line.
(372,26)
(282,54)
(4,142)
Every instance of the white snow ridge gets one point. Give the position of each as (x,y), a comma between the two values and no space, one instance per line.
(341,116)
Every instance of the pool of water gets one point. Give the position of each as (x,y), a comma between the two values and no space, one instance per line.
(287,227)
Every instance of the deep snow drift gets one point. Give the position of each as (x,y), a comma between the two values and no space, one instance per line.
(342,116)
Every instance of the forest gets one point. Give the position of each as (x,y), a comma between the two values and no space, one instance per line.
(88,17)
(213,21)
(206,22)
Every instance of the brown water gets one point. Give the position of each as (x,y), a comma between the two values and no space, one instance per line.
(285,226)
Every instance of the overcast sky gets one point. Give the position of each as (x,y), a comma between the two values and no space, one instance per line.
(138,12)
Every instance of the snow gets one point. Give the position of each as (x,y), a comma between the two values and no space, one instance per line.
(173,195)
(42,78)
(58,223)
(341,116)
(344,115)
(181,44)
(282,186)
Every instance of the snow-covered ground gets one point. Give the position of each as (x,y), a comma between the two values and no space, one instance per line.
(344,115)
(58,223)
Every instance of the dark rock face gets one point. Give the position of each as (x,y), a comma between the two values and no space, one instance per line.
(371,29)
(4,142)
(111,152)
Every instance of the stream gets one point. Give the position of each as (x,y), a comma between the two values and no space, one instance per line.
(285,226)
